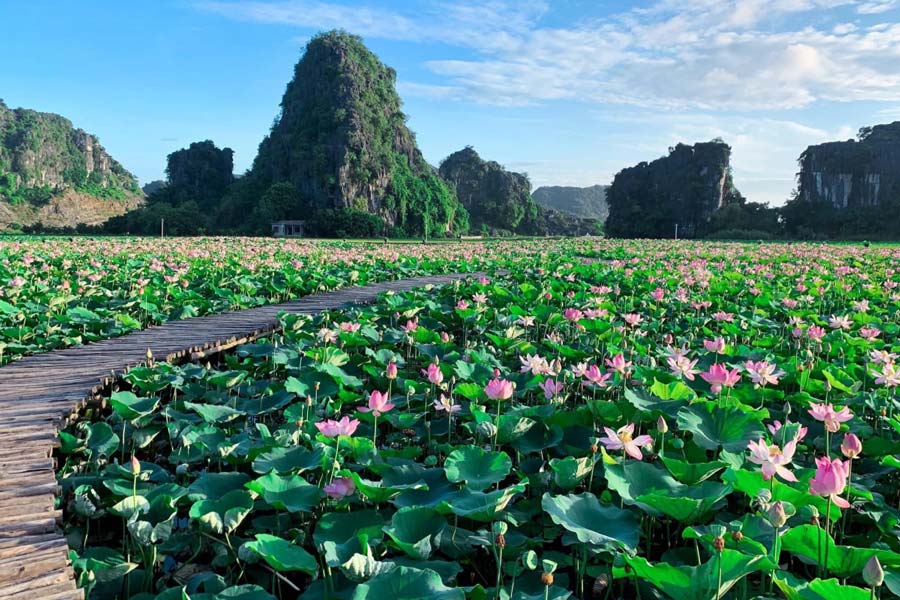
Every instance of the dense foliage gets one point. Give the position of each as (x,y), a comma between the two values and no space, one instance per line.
(496,199)
(56,293)
(702,421)
(42,154)
(681,189)
(341,141)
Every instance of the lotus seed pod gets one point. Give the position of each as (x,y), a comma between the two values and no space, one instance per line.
(737,536)
(719,543)
(547,579)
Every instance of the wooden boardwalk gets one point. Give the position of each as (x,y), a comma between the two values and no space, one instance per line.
(39,395)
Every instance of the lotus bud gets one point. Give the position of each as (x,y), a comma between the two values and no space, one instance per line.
(496,372)
(661,425)
(787,408)
(872,573)
(776,514)
(391,370)
(135,466)
(182,469)
(851,447)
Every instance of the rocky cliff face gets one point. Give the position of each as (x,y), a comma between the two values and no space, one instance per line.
(45,161)
(341,140)
(494,197)
(684,188)
(863,173)
(584,202)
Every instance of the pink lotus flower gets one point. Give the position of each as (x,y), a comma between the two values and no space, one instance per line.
(391,370)
(349,327)
(434,374)
(622,439)
(830,479)
(763,373)
(633,319)
(772,459)
(593,374)
(658,294)
(411,325)
(815,333)
(827,414)
(723,316)
(880,357)
(479,298)
(889,376)
(378,404)
(340,488)
(551,388)
(869,333)
(842,322)
(851,447)
(332,428)
(618,364)
(682,366)
(719,376)
(717,345)
(525,321)
(573,314)
(499,389)
(462,305)
(534,363)
(445,404)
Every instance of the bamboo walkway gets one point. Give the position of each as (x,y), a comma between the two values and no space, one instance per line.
(39,394)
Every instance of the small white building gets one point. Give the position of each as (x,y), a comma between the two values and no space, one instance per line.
(287,228)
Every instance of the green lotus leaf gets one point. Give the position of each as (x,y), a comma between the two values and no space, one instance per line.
(413,530)
(570,471)
(290,492)
(481,506)
(591,522)
(696,582)
(344,534)
(477,467)
(282,555)
(130,407)
(101,440)
(294,459)
(714,426)
(817,589)
(223,514)
(213,413)
(843,561)
(216,485)
(690,473)
(404,583)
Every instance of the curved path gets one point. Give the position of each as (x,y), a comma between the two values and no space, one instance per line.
(39,394)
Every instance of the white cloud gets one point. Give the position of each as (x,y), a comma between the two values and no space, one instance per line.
(877,7)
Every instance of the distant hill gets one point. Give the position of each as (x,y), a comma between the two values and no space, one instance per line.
(54,174)
(583,202)
(340,150)
(494,197)
(684,188)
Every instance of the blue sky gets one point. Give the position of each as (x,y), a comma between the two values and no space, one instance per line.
(569,91)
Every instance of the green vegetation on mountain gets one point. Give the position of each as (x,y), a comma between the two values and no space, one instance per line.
(681,189)
(495,198)
(342,142)
(47,166)
(583,202)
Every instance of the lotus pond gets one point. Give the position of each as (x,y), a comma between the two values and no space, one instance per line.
(687,420)
(58,292)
